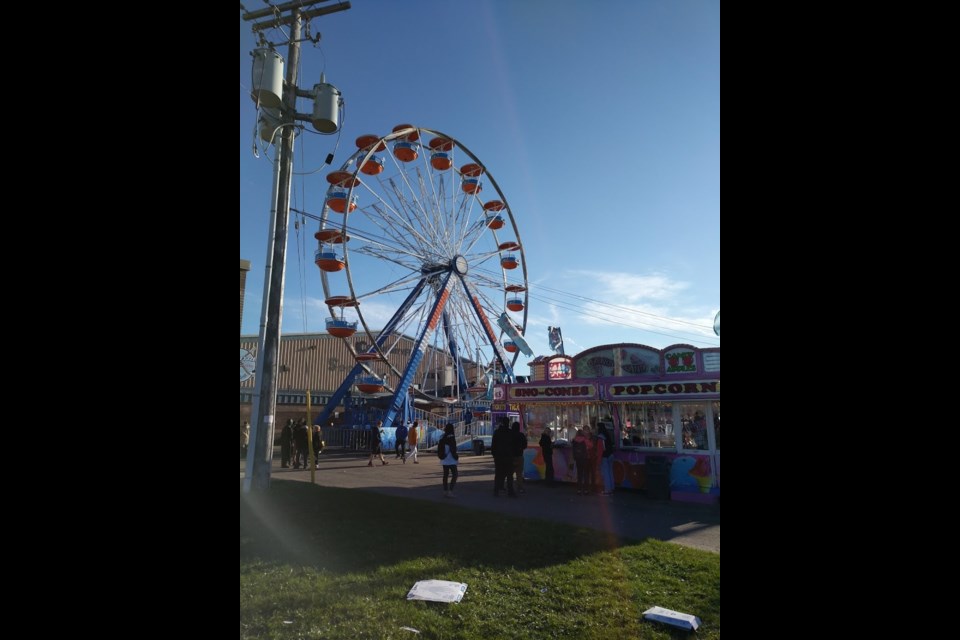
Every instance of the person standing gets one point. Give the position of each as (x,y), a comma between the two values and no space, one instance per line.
(413,435)
(546,447)
(502,449)
(581,458)
(402,442)
(300,453)
(376,438)
(286,441)
(606,458)
(519,442)
(448,447)
(244,438)
(594,449)
(317,446)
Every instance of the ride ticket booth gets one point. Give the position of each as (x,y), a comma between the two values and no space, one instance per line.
(663,404)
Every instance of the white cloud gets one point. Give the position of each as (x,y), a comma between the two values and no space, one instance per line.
(630,287)
(627,307)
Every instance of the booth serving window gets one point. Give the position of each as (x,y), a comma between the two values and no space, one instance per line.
(648,424)
(693,425)
(562,419)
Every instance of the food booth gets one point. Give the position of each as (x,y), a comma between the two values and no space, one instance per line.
(663,406)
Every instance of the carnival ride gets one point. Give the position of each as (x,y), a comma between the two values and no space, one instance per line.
(423,272)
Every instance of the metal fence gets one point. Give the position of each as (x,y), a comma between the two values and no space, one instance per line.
(358,438)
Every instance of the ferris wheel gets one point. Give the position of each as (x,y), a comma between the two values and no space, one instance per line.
(423,269)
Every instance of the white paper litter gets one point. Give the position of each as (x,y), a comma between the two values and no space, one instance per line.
(410,629)
(437,591)
(671,617)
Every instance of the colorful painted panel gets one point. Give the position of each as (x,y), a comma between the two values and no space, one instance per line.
(635,361)
(595,364)
(680,360)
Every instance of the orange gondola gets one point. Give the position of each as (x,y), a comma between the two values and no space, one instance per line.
(495,222)
(472,185)
(329,261)
(511,346)
(337,200)
(509,261)
(493,205)
(367,140)
(515,304)
(371,167)
(411,137)
(342,179)
(514,288)
(471,170)
(509,246)
(341,301)
(369,384)
(441,160)
(405,151)
(441,144)
(334,236)
(341,328)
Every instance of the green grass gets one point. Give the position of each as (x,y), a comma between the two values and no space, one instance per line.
(338,563)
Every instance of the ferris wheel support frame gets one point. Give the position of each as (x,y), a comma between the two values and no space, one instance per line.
(341,391)
(417,352)
(491,335)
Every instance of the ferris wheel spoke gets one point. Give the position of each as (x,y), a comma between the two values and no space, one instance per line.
(402,235)
(415,214)
(397,285)
(405,259)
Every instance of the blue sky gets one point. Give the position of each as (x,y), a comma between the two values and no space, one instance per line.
(600,121)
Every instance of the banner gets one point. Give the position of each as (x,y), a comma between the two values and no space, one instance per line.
(556,339)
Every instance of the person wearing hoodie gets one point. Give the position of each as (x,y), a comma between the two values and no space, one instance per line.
(448,447)
(502,449)
(546,448)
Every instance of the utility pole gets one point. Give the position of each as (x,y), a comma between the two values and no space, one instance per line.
(260,454)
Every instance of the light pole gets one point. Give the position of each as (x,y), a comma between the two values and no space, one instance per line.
(260,453)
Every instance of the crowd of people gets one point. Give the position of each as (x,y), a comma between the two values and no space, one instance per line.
(592,453)
(295,445)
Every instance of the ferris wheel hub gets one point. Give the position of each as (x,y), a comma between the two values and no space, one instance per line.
(459,264)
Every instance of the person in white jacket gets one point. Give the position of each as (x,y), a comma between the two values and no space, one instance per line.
(413,435)
(448,447)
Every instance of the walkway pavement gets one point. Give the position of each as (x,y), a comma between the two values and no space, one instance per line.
(627,513)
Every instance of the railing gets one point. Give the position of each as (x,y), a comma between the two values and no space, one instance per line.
(358,438)
(350,439)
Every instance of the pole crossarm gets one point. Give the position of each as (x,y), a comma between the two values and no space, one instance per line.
(280,8)
(306,15)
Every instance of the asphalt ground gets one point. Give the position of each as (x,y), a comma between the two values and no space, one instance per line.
(628,513)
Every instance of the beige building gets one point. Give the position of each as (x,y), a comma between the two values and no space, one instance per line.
(320,362)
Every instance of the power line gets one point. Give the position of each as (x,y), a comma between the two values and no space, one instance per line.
(628,309)
(619,320)
(638,326)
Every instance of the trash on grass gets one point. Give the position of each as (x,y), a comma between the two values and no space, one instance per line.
(671,617)
(410,629)
(437,591)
